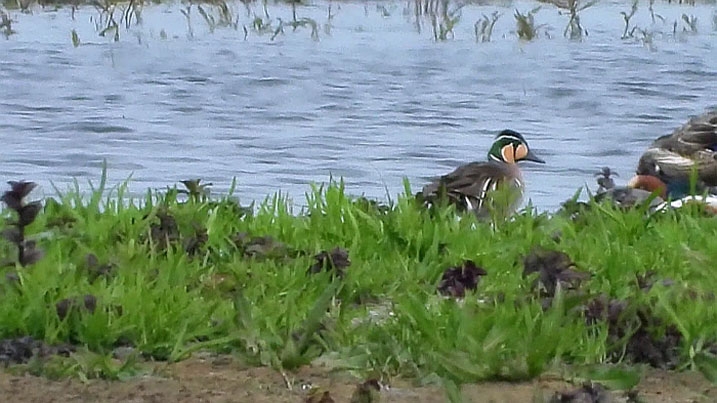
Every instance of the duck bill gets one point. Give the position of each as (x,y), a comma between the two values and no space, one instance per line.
(532,157)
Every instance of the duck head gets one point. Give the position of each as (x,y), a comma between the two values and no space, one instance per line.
(510,147)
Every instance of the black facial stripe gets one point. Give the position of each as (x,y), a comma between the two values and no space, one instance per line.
(510,138)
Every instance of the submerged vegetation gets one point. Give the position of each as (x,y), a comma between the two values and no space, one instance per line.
(381,290)
(573,29)
(440,17)
(526,28)
(484,27)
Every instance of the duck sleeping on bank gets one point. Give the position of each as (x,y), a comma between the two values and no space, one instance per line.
(673,158)
(666,168)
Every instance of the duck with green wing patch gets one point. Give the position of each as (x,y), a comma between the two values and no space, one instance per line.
(487,188)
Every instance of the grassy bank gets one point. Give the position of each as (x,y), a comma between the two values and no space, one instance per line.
(101,286)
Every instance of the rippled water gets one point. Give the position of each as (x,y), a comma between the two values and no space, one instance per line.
(372,100)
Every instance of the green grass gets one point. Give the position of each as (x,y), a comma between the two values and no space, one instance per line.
(266,309)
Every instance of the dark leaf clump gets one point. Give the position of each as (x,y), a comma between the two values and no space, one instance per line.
(95,269)
(30,253)
(196,242)
(165,232)
(555,269)
(601,309)
(196,190)
(27,252)
(645,338)
(21,350)
(367,392)
(264,247)
(589,392)
(604,179)
(335,261)
(317,395)
(646,281)
(65,306)
(635,333)
(28,213)
(457,279)
(371,206)
(13,198)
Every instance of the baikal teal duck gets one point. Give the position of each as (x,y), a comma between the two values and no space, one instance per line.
(492,188)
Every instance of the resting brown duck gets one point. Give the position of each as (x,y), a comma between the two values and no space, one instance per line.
(672,158)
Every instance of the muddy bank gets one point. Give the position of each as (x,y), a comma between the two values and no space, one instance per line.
(222,380)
